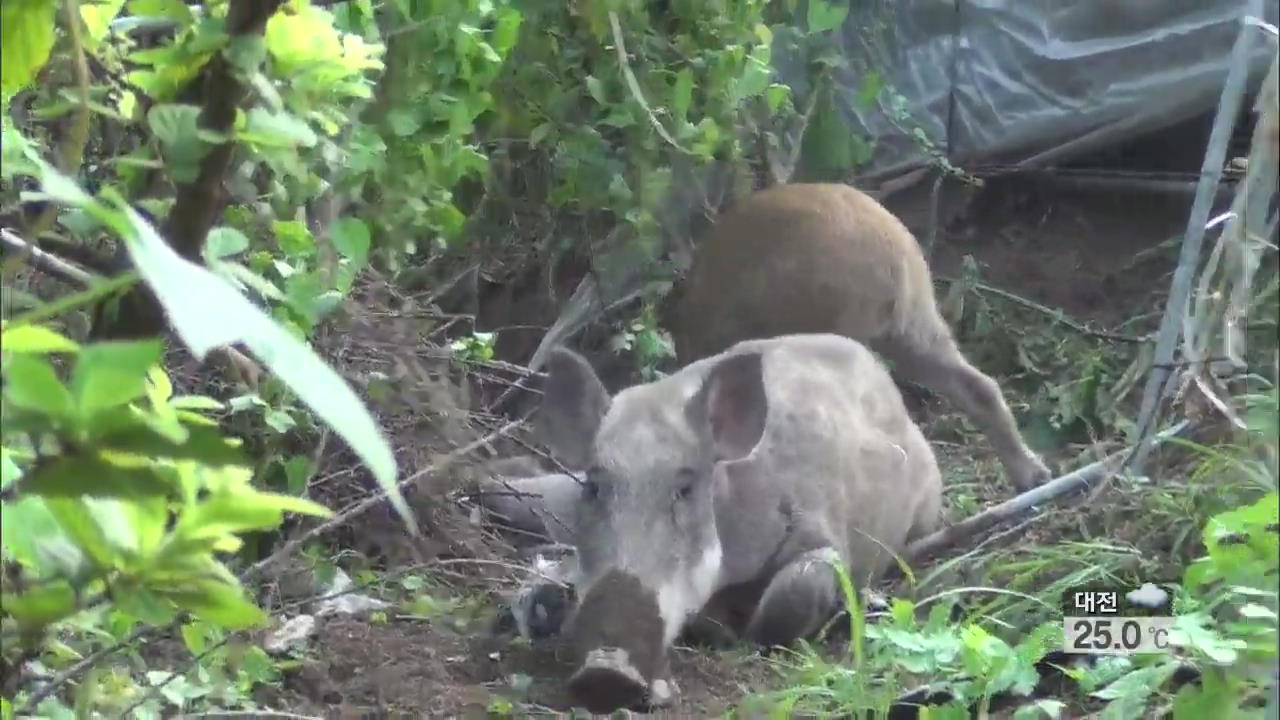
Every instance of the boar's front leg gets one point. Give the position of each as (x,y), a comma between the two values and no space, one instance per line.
(802,596)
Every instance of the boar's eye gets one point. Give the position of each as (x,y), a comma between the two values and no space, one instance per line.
(591,486)
(686,478)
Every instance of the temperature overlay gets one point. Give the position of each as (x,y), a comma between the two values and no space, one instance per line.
(1113,620)
(1116,635)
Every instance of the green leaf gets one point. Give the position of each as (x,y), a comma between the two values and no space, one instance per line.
(869,90)
(208,313)
(83,476)
(216,602)
(108,374)
(22,523)
(824,15)
(34,339)
(596,89)
(682,94)
(294,238)
(246,53)
(83,522)
(40,605)
(276,129)
(172,9)
(31,383)
(26,37)
(177,128)
(351,239)
(506,30)
(223,242)
(297,472)
(775,95)
(142,603)
(205,445)
(97,19)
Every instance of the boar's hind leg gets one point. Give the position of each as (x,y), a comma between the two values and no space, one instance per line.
(802,596)
(938,364)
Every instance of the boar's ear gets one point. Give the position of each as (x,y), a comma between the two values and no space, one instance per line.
(731,407)
(573,403)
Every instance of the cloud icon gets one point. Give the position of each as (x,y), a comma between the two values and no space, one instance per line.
(1149,595)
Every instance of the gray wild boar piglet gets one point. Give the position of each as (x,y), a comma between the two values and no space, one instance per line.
(827,258)
(740,478)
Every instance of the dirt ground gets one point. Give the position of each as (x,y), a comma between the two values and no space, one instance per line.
(1072,251)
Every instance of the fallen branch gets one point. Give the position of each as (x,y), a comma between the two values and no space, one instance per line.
(1082,479)
(1057,315)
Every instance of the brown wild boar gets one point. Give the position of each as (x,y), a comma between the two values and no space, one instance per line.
(742,477)
(826,258)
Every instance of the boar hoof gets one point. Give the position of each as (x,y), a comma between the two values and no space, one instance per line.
(607,681)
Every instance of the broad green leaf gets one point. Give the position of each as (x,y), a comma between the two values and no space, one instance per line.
(216,602)
(22,523)
(246,53)
(97,18)
(31,383)
(276,129)
(775,95)
(26,37)
(177,128)
(351,238)
(682,94)
(9,470)
(80,523)
(826,15)
(159,388)
(108,374)
(506,30)
(869,90)
(297,473)
(40,605)
(205,445)
(196,402)
(223,242)
(294,238)
(57,556)
(596,89)
(35,339)
(208,313)
(144,604)
(173,9)
(83,476)
(193,636)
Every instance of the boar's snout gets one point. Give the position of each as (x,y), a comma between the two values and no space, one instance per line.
(617,633)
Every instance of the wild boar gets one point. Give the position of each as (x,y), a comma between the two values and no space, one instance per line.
(827,258)
(743,476)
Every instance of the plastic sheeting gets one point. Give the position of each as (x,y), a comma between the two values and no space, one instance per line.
(1035,80)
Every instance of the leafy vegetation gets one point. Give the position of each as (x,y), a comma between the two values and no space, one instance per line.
(263,171)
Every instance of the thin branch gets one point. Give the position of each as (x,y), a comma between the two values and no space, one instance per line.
(634,85)
(368,503)
(1084,478)
(235,363)
(71,151)
(47,262)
